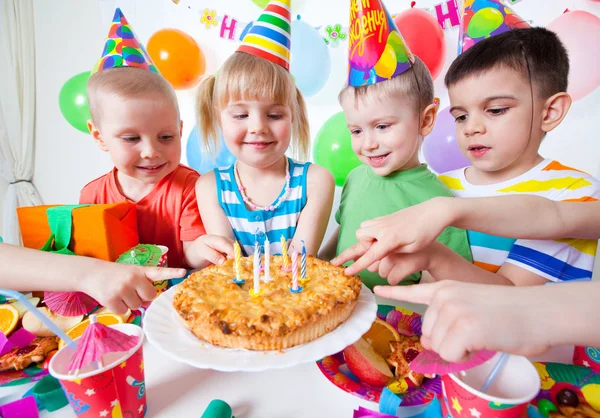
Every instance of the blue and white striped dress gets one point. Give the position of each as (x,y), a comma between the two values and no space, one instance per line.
(255,225)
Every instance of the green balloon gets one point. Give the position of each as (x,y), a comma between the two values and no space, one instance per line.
(396,42)
(484,22)
(73,101)
(261,3)
(333,148)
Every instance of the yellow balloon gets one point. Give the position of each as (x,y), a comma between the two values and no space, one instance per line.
(468,3)
(386,65)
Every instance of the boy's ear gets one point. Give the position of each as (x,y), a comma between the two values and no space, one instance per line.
(555,110)
(428,119)
(96,135)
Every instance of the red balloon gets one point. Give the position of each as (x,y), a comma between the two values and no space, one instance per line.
(467,17)
(424,37)
(515,22)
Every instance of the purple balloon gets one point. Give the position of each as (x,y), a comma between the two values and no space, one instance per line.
(440,147)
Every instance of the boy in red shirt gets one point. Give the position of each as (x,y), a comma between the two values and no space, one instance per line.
(135,118)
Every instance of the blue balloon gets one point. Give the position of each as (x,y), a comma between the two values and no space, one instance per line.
(310,63)
(202,161)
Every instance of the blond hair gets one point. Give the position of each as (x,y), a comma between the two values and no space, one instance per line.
(416,83)
(127,82)
(247,77)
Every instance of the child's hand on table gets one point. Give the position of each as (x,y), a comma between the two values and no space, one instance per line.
(120,287)
(212,249)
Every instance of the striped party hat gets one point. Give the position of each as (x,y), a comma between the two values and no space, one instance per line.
(481,19)
(269,36)
(123,48)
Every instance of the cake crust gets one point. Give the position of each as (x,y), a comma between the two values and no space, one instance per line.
(223,313)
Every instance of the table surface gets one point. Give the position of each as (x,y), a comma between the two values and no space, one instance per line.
(175,389)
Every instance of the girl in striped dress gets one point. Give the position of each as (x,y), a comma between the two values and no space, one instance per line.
(264,195)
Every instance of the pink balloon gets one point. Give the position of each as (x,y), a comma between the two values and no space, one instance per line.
(467,43)
(580,33)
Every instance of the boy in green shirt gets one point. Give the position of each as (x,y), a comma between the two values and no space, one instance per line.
(389,107)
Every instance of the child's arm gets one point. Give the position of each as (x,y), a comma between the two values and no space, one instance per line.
(117,286)
(465,318)
(313,220)
(327,251)
(217,243)
(439,261)
(533,217)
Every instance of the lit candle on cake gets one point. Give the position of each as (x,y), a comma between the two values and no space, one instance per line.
(303,277)
(284,254)
(256,290)
(294,270)
(295,288)
(267,276)
(237,250)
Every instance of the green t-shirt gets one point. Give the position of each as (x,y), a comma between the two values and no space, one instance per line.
(366,196)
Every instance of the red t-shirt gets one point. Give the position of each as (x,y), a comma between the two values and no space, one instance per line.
(168,215)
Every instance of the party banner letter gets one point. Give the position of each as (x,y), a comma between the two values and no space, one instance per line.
(229,28)
(452,13)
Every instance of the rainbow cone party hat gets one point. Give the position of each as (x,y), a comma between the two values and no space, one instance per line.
(376,50)
(481,19)
(123,48)
(269,36)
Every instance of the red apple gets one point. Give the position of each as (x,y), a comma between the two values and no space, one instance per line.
(366,364)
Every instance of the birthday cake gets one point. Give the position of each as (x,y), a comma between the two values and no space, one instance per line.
(226,314)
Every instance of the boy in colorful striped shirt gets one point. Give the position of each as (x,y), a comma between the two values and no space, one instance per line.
(506,93)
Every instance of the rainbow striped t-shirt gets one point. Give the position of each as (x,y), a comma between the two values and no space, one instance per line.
(556,260)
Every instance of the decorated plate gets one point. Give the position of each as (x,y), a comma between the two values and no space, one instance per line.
(31,374)
(565,384)
(336,371)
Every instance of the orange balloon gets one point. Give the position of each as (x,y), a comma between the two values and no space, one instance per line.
(178,57)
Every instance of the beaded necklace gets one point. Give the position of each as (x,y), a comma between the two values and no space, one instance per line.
(254,206)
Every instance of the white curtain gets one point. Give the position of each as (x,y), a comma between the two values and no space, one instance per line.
(17,111)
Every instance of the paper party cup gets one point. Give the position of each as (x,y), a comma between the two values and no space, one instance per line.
(508,397)
(162,285)
(115,390)
(588,357)
(147,255)
(163,256)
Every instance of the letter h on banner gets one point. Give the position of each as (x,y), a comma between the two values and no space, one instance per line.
(452,13)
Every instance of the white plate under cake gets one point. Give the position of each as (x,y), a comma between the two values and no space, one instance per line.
(225,314)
